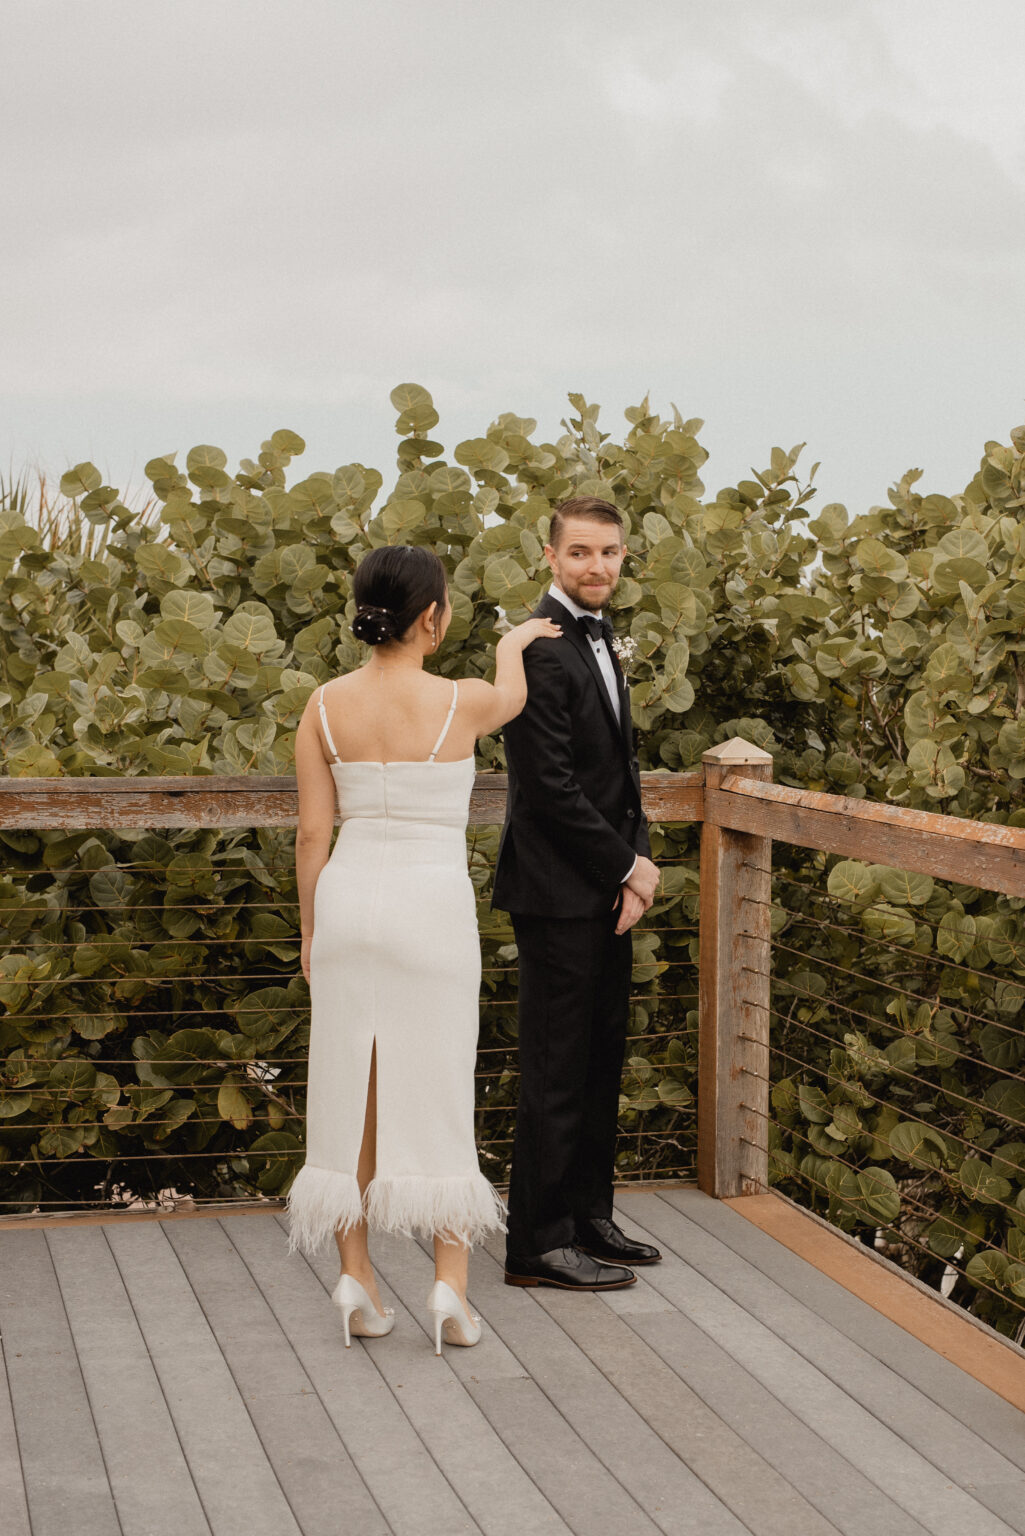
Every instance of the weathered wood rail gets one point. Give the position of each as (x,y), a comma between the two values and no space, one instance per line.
(254,801)
(741,813)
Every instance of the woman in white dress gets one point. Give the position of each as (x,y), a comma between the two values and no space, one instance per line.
(390,945)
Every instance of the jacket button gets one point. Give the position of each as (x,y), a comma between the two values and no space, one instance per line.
(630,813)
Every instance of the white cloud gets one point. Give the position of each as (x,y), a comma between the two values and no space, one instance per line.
(798,220)
(691,91)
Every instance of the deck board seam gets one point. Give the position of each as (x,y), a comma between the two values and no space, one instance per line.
(282,1221)
(569,1424)
(648,1425)
(785,1407)
(268,1304)
(85,1389)
(936,1396)
(810,1429)
(1013,1471)
(157,1378)
(17,1437)
(220,1350)
(885,1492)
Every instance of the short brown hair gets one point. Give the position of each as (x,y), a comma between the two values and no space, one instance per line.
(590,507)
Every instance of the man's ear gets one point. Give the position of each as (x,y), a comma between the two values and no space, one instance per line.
(550,557)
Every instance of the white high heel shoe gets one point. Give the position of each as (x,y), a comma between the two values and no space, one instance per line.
(360,1318)
(450,1320)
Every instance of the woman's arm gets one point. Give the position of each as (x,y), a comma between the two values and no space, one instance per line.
(317,805)
(493,704)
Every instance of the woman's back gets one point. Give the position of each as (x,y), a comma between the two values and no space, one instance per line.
(396,715)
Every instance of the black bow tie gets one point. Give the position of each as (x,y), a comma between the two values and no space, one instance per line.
(595,628)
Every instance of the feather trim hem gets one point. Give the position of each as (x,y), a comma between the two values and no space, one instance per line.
(321,1202)
(465,1210)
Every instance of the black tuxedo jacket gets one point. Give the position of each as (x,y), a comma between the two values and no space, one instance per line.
(574,823)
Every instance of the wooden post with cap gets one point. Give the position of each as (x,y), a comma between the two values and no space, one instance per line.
(733,987)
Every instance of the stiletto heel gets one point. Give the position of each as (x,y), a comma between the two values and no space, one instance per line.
(450,1320)
(360,1318)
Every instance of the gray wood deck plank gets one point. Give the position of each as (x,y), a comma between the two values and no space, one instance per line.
(973,1404)
(316,1473)
(149,1476)
(12,1480)
(661,1484)
(565,1463)
(482,1468)
(839,1495)
(734,1389)
(956,1450)
(884,1457)
(240,1493)
(739,1490)
(412,1493)
(66,1482)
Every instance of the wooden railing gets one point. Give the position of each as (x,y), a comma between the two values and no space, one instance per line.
(741,812)
(254,801)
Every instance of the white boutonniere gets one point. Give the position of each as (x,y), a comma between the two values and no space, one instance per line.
(625,647)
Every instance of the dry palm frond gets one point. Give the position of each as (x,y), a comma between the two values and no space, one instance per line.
(59,520)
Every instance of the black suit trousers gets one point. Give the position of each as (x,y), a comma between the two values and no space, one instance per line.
(573,1008)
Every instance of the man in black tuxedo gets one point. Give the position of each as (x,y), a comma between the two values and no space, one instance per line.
(574,872)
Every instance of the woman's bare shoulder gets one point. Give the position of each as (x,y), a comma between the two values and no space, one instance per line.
(473,690)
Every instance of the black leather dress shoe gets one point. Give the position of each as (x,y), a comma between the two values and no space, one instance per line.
(602,1239)
(569,1270)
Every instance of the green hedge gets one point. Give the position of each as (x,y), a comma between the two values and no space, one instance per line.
(879,656)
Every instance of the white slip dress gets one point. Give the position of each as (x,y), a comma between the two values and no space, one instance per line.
(395,960)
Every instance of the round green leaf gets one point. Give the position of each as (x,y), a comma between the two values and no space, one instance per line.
(852,882)
(902,887)
(205,457)
(987,1268)
(878,1190)
(81,480)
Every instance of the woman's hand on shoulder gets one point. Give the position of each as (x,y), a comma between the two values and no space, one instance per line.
(522,635)
(495,703)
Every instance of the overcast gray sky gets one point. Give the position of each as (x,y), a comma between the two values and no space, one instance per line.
(798,219)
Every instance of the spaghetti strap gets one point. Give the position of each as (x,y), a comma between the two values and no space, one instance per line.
(448,721)
(323,721)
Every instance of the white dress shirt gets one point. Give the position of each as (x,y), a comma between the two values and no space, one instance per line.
(600,649)
(602,657)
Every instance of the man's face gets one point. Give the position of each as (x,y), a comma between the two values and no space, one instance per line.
(587,561)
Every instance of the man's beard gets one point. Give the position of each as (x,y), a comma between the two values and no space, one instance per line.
(585,597)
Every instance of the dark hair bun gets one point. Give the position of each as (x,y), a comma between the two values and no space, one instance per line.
(392,585)
(373,625)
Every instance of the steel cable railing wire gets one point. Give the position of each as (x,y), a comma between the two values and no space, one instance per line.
(884,909)
(880,1136)
(221,1061)
(854,1202)
(965,1232)
(887,909)
(905,1113)
(905,951)
(973,1132)
(876,981)
(257,1075)
(908,953)
(830,998)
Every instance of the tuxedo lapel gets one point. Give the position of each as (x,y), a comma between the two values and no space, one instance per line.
(550,608)
(625,723)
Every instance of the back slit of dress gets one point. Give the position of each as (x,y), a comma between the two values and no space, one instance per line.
(395,968)
(329,740)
